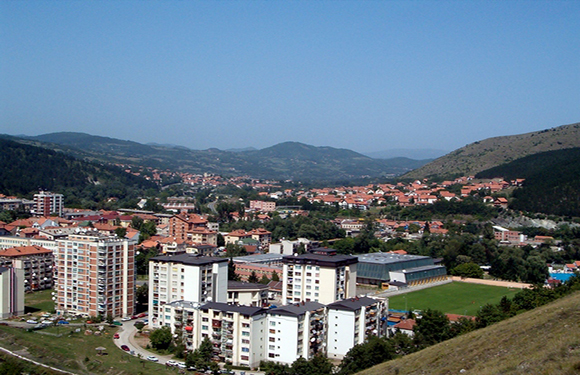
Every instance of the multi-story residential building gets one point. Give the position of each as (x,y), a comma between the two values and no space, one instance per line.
(47,203)
(35,261)
(296,331)
(352,320)
(236,332)
(203,236)
(95,275)
(181,225)
(261,235)
(11,292)
(263,206)
(318,278)
(247,294)
(187,277)
(7,242)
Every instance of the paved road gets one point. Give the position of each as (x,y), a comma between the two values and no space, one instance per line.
(127,337)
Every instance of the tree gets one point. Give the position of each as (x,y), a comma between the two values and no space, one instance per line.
(121,232)
(471,270)
(433,327)
(253,277)
(275,276)
(368,354)
(264,280)
(232,275)
(488,315)
(161,338)
(142,296)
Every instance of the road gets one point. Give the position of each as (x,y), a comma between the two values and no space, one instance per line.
(127,337)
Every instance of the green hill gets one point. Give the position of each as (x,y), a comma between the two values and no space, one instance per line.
(491,152)
(25,169)
(289,160)
(545,340)
(552,182)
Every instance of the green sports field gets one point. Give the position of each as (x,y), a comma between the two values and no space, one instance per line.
(454,298)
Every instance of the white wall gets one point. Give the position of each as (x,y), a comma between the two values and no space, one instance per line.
(286,344)
(340,333)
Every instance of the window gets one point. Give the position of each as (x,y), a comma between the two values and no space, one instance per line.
(204,328)
(246,350)
(245,333)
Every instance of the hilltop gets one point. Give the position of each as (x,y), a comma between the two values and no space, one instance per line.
(491,152)
(288,160)
(545,340)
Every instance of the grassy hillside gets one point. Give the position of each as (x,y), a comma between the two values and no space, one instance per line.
(289,160)
(491,152)
(552,182)
(542,341)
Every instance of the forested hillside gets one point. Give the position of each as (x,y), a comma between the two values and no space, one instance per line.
(26,169)
(552,182)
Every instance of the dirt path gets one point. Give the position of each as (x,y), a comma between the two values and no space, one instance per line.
(507,284)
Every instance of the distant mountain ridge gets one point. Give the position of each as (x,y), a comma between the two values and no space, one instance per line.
(288,160)
(417,154)
(491,152)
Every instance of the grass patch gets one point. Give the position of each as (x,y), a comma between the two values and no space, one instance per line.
(39,301)
(76,352)
(453,298)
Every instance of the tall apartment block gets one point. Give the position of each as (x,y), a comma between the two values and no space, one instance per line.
(95,275)
(11,292)
(296,331)
(47,203)
(352,321)
(185,277)
(318,278)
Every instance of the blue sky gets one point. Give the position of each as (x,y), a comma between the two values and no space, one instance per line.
(363,75)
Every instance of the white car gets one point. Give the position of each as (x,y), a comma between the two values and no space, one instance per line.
(152,358)
(181,365)
(171,363)
(30,321)
(126,319)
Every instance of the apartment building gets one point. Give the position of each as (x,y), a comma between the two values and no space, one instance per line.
(11,292)
(351,321)
(236,332)
(185,277)
(296,331)
(263,206)
(183,225)
(95,275)
(247,294)
(35,261)
(47,204)
(318,278)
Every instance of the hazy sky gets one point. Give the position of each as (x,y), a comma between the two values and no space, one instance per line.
(363,75)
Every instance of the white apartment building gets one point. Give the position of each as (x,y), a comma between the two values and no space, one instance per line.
(351,321)
(296,331)
(7,242)
(185,277)
(95,275)
(318,278)
(11,292)
(237,333)
(247,294)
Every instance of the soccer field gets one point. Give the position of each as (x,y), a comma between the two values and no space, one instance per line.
(455,298)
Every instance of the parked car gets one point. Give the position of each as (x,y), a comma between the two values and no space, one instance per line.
(152,358)
(31,321)
(171,363)
(116,336)
(62,322)
(181,365)
(126,319)
(142,315)
(125,348)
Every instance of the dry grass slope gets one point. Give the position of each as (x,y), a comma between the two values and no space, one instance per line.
(482,155)
(542,341)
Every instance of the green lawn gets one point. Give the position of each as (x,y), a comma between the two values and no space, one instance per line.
(77,352)
(454,298)
(39,301)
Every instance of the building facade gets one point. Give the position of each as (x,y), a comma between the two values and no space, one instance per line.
(95,275)
(47,204)
(11,292)
(185,277)
(318,278)
(36,262)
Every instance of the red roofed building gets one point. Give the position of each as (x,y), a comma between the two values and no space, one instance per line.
(35,261)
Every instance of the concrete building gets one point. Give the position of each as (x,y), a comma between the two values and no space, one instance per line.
(352,320)
(296,331)
(36,262)
(237,333)
(7,242)
(263,206)
(11,292)
(187,277)
(95,275)
(287,247)
(419,275)
(247,294)
(318,278)
(47,204)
